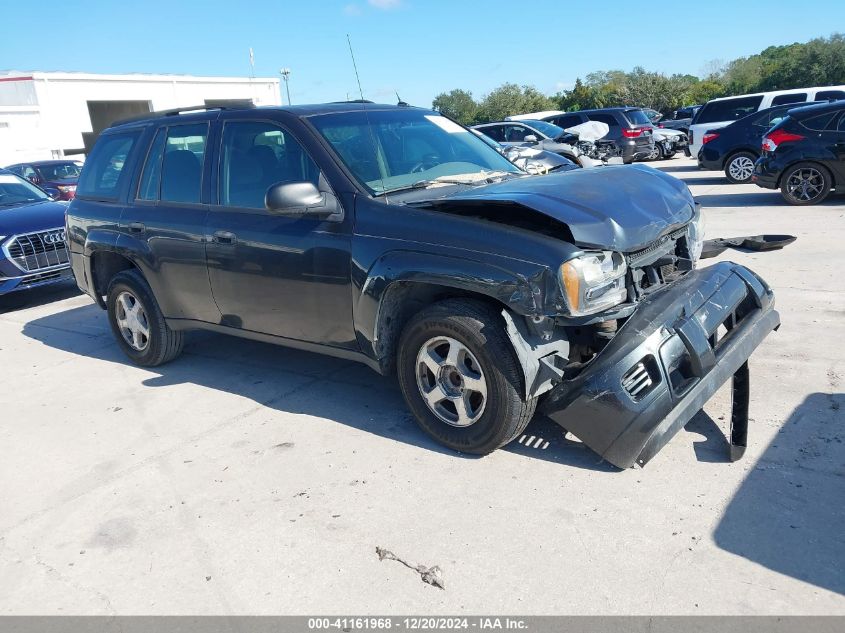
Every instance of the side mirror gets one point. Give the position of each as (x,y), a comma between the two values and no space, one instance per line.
(530,139)
(301,198)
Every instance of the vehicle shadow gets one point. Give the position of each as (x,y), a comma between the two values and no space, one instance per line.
(287,380)
(37,296)
(741,199)
(789,513)
(677,168)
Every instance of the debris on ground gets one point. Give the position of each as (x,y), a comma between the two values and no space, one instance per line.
(430,575)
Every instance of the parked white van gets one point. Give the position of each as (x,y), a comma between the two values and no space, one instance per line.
(720,112)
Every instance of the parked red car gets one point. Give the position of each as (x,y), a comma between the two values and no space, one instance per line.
(56,177)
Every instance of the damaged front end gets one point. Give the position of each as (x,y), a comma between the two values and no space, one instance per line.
(673,352)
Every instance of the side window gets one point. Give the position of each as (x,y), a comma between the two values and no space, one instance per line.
(181,165)
(603,118)
(820,122)
(570,120)
(728,109)
(792,97)
(151,178)
(841,126)
(517,133)
(496,132)
(834,95)
(771,118)
(28,172)
(104,171)
(254,157)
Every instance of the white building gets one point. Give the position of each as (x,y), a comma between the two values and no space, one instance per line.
(51,115)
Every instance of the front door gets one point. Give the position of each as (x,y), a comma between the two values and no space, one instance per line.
(284,276)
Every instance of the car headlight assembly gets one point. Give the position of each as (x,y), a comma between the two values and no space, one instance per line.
(695,237)
(594,282)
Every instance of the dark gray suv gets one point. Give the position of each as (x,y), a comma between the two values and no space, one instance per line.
(629,127)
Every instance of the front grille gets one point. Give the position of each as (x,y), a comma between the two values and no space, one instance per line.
(36,252)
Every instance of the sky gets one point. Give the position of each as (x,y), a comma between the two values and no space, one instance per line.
(416,48)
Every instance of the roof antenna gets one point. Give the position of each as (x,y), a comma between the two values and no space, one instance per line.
(399,101)
(367,116)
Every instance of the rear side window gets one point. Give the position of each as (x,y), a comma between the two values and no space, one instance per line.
(604,118)
(820,122)
(104,171)
(173,169)
(728,109)
(792,97)
(768,119)
(835,95)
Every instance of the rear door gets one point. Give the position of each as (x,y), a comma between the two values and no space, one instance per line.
(164,222)
(279,275)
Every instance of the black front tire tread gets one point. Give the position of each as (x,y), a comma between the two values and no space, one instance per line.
(728,164)
(828,182)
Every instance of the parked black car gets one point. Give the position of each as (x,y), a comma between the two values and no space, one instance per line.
(395,237)
(804,154)
(735,147)
(56,177)
(630,128)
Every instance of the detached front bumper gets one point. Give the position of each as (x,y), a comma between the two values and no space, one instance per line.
(679,347)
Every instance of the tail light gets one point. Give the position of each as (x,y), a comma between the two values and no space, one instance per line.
(709,136)
(633,133)
(661,126)
(776,137)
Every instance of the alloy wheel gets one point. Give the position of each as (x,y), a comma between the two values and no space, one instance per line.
(132,321)
(451,381)
(805,184)
(741,168)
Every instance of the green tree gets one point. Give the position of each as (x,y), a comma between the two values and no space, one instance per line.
(457,104)
(509,99)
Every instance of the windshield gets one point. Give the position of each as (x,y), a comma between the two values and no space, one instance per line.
(388,150)
(637,117)
(544,127)
(16,190)
(60,171)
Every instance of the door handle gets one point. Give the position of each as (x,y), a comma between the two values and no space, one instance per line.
(225,237)
(136,227)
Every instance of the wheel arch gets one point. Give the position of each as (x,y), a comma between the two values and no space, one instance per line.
(793,163)
(105,264)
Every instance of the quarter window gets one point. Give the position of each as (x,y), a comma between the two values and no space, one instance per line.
(604,118)
(834,95)
(820,122)
(104,171)
(256,156)
(568,121)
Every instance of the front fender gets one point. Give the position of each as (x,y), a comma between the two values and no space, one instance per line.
(522,291)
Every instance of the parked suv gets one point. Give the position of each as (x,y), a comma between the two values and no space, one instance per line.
(804,154)
(629,127)
(395,237)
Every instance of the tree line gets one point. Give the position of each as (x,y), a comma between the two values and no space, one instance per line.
(819,62)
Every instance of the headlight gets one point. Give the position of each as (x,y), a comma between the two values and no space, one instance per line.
(593,282)
(695,236)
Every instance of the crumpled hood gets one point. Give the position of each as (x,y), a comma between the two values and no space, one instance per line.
(29,218)
(622,208)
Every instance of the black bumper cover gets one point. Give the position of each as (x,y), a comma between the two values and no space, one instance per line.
(672,344)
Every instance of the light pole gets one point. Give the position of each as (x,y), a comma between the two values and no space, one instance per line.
(285,73)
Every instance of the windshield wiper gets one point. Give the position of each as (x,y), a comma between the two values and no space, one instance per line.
(493,176)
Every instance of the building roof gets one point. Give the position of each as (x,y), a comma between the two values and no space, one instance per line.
(20,75)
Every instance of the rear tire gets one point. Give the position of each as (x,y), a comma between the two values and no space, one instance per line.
(740,167)
(138,323)
(805,184)
(455,358)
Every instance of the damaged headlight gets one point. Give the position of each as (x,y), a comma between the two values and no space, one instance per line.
(695,236)
(594,282)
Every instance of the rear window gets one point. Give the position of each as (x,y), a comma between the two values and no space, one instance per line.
(637,117)
(104,171)
(728,109)
(792,97)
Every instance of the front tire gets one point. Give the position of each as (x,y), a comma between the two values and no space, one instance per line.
(740,167)
(460,377)
(138,323)
(805,184)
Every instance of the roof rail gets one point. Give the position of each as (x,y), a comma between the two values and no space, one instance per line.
(176,111)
